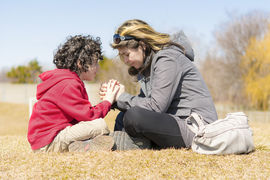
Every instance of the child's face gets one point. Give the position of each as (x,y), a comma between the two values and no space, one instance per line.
(91,73)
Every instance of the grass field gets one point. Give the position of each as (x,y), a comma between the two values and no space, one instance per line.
(17,161)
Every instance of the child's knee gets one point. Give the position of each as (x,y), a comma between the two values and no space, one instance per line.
(101,126)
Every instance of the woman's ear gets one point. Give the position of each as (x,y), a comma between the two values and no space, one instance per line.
(143,45)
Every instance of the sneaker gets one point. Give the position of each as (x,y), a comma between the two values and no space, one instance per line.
(99,143)
(125,142)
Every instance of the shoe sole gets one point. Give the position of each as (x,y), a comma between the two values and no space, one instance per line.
(124,142)
(100,143)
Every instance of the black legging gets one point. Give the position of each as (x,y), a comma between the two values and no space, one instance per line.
(161,128)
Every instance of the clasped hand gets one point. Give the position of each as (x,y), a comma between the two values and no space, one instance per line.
(111,90)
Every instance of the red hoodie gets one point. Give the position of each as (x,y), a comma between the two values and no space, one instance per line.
(62,101)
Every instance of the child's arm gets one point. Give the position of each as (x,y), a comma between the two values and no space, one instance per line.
(74,103)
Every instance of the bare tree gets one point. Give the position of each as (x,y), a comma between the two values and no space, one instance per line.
(212,69)
(232,39)
(194,41)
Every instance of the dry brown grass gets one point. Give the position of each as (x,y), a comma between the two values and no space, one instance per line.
(18,162)
(13,119)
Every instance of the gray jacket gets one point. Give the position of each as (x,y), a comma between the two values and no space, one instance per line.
(175,86)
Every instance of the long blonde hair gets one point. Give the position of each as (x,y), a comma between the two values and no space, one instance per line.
(144,32)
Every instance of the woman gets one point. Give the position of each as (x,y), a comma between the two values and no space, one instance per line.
(171,87)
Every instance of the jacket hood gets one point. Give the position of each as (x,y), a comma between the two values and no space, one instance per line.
(182,39)
(51,78)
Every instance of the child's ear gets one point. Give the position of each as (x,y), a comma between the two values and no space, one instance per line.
(79,64)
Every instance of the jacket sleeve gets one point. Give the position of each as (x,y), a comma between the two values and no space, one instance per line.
(122,106)
(165,79)
(76,106)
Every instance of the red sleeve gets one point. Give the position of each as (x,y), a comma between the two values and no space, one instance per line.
(73,103)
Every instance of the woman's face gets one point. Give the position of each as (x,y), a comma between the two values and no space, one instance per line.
(132,56)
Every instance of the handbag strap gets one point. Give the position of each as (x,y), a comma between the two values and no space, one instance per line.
(195,123)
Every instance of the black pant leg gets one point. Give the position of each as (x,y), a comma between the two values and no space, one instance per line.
(160,128)
(119,125)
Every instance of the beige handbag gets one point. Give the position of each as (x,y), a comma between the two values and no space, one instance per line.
(231,135)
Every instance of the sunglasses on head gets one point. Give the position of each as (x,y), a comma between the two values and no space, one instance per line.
(117,38)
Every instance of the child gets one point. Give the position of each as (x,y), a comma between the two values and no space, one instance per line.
(63,119)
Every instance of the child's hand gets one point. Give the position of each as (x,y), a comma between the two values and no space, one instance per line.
(111,91)
(103,90)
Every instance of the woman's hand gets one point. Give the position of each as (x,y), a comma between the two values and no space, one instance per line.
(103,90)
(121,91)
(112,89)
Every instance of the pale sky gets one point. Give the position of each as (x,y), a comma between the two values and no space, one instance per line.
(34,29)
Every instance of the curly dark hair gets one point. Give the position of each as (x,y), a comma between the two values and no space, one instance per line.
(83,49)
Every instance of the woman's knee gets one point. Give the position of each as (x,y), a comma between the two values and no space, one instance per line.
(133,118)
